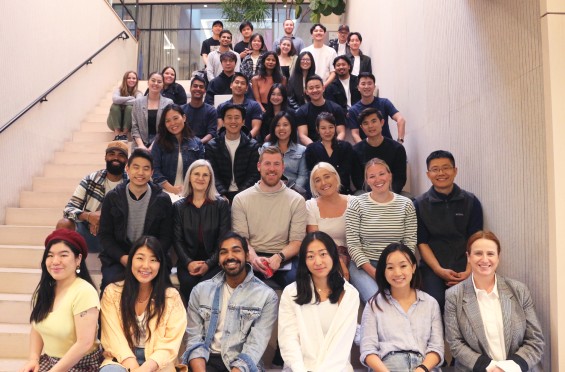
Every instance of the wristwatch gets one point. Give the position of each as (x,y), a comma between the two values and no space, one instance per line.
(282,256)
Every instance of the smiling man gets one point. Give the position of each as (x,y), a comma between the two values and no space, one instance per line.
(272,218)
(201,117)
(214,66)
(447,217)
(131,210)
(343,90)
(84,207)
(231,316)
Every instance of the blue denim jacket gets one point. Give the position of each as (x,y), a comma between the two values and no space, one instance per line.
(251,314)
(165,163)
(294,164)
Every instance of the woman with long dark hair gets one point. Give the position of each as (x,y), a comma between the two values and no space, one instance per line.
(172,89)
(401,328)
(269,73)
(303,68)
(277,101)
(143,317)
(336,152)
(119,118)
(283,135)
(64,317)
(175,148)
(200,219)
(318,313)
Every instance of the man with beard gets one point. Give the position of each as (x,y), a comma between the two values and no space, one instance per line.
(231,316)
(343,90)
(83,210)
(202,118)
(272,218)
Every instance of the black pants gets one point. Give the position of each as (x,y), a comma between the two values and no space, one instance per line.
(188,282)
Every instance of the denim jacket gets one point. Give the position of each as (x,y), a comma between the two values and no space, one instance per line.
(294,164)
(251,314)
(165,163)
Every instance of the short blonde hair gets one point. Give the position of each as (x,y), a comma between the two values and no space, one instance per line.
(211,192)
(330,168)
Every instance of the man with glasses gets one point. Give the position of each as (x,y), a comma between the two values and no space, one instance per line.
(447,216)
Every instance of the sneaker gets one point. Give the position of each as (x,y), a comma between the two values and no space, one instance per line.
(122,137)
(117,138)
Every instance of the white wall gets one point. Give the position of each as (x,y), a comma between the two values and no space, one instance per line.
(468,77)
(43,41)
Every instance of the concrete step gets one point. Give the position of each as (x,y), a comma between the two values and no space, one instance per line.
(15,308)
(93,136)
(37,199)
(87,147)
(94,127)
(69,171)
(59,184)
(14,339)
(24,281)
(33,216)
(78,158)
(95,117)
(103,109)
(24,235)
(11,365)
(22,256)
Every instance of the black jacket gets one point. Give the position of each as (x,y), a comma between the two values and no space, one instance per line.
(336,92)
(114,219)
(212,220)
(245,163)
(366,65)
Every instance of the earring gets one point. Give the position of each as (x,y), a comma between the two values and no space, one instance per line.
(78,270)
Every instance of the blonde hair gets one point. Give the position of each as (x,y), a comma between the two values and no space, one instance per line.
(330,168)
(376,161)
(211,192)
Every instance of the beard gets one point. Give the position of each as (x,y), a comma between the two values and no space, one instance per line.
(116,170)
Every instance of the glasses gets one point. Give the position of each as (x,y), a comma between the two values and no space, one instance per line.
(440,170)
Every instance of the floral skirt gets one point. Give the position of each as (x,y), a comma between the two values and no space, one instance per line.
(89,363)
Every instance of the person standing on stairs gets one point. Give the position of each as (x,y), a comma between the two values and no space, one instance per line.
(82,212)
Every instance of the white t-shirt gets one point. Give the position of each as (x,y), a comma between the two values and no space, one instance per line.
(216,345)
(324,58)
(356,66)
(345,83)
(232,147)
(327,313)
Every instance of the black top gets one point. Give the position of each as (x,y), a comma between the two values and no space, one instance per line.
(152,122)
(307,114)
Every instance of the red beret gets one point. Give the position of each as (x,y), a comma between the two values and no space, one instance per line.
(71,237)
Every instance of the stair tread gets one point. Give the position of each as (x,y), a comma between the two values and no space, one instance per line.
(14,328)
(15,297)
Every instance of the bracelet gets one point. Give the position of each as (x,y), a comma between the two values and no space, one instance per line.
(423,367)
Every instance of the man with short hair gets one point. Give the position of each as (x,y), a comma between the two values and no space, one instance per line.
(366,86)
(221,84)
(340,44)
(323,54)
(253,113)
(84,207)
(133,209)
(231,316)
(213,42)
(233,154)
(447,217)
(288,27)
(214,65)
(307,113)
(201,117)
(272,218)
(343,90)
(378,146)
(242,47)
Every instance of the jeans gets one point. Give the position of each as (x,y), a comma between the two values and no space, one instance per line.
(363,282)
(433,285)
(402,361)
(139,353)
(111,273)
(91,241)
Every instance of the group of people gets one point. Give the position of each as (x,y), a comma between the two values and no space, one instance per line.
(322,220)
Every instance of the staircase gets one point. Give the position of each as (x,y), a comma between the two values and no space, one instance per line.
(21,239)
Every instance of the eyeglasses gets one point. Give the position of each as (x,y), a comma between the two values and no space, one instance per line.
(445,169)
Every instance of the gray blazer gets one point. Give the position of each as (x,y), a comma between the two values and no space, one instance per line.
(465,333)
(139,117)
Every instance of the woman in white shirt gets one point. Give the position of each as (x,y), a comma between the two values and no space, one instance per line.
(318,312)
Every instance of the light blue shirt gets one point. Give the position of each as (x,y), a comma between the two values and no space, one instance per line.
(295,169)
(392,329)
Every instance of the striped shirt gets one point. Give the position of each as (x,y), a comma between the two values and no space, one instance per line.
(371,226)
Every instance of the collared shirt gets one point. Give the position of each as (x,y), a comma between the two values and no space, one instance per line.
(391,329)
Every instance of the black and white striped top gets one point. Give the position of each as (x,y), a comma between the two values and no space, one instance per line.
(371,226)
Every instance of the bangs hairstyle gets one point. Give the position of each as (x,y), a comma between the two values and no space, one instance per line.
(368,112)
(260,37)
(304,284)
(165,139)
(211,192)
(382,283)
(288,116)
(483,234)
(126,91)
(292,51)
(44,294)
(140,153)
(322,165)
(130,290)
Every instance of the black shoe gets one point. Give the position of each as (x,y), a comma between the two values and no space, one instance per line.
(123,137)
(277,358)
(117,138)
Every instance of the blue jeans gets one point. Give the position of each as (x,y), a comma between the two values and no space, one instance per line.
(402,361)
(363,282)
(91,240)
(139,355)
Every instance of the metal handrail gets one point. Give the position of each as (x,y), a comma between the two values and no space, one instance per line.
(43,98)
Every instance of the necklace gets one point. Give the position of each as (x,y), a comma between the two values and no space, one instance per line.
(320,290)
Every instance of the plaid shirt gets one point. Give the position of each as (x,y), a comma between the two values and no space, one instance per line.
(88,195)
